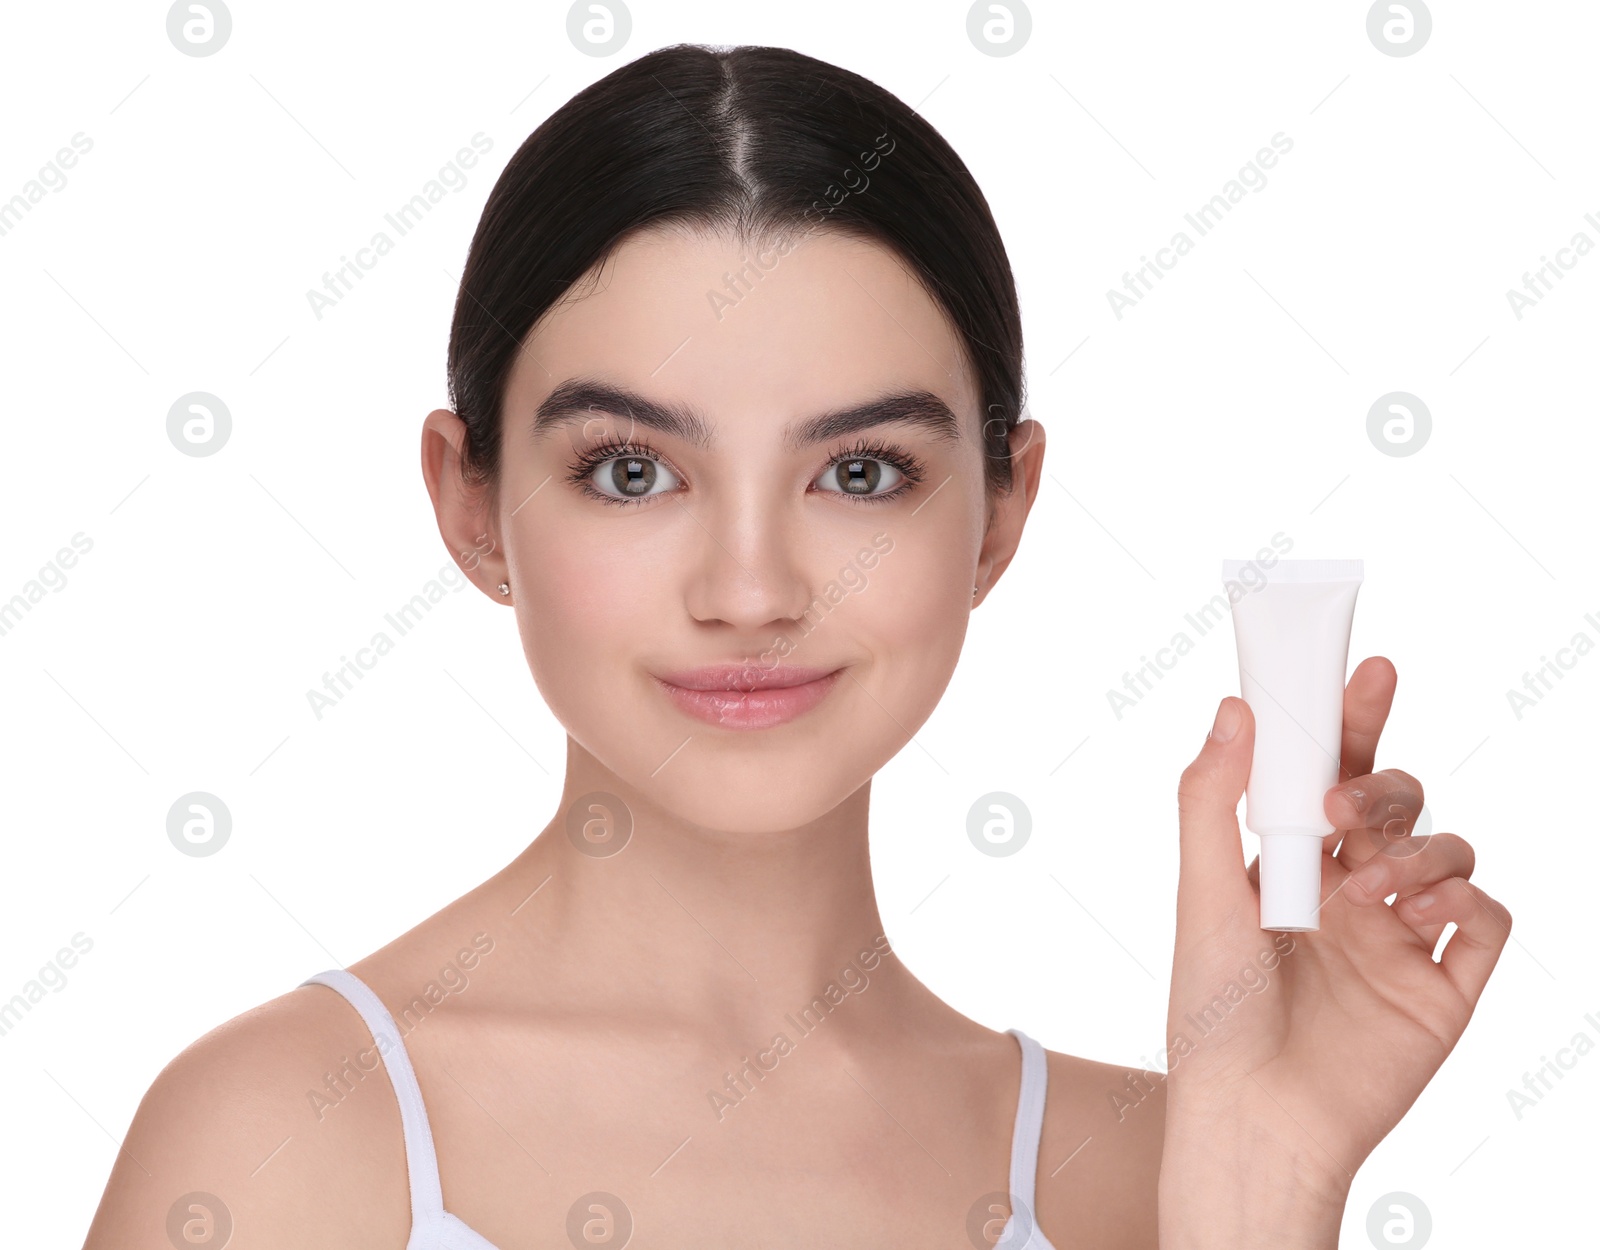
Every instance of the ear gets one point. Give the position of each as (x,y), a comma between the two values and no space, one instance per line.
(464,512)
(1010,510)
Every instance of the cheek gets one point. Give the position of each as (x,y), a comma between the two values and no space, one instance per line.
(582,601)
(911,618)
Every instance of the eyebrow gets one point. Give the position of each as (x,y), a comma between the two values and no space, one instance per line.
(578,399)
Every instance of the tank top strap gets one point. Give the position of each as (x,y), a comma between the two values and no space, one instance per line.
(422,1164)
(1030,1119)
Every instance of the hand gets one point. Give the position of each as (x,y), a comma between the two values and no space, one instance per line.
(1332,1041)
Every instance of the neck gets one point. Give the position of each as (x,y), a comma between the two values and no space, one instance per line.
(661,921)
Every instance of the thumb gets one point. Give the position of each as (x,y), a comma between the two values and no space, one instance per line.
(1211,870)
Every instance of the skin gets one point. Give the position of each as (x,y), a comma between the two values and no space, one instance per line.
(620,988)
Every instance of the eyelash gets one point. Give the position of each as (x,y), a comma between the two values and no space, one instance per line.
(908,465)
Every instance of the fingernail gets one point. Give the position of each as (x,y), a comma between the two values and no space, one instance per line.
(1227,722)
(1423,901)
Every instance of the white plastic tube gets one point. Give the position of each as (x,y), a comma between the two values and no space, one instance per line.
(1291,620)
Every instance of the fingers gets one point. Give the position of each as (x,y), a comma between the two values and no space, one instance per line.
(1211,857)
(1409,869)
(1367,699)
(1386,805)
(1483,926)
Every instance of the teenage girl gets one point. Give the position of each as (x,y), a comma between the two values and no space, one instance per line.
(736,435)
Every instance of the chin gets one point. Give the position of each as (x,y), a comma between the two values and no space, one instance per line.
(726,785)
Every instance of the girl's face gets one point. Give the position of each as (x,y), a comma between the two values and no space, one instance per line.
(764,460)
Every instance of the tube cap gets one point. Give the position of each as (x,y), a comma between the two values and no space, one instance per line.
(1291,881)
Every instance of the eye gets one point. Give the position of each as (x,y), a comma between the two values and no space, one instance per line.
(871,473)
(623,473)
(860,475)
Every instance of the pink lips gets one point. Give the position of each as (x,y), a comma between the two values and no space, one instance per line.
(748,696)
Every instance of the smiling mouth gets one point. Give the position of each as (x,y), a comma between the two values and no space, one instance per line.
(743,678)
(730,699)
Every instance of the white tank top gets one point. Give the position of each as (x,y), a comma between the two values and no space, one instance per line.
(434,1228)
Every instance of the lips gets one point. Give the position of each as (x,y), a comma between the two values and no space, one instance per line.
(734,678)
(748,697)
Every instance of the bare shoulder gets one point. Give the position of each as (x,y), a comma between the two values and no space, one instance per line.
(1100,1153)
(245,1126)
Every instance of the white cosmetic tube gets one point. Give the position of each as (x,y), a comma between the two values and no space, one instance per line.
(1291,620)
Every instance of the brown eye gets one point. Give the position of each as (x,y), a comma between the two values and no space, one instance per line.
(859,475)
(630,476)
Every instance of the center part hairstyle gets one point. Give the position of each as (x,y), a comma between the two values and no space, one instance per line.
(763,144)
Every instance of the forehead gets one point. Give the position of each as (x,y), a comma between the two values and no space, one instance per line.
(751,335)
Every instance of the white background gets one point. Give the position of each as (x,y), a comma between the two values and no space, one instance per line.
(1229,405)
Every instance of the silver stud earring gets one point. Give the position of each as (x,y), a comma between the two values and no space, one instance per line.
(974,592)
(502,587)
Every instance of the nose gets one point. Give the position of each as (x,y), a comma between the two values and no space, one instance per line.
(751,567)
